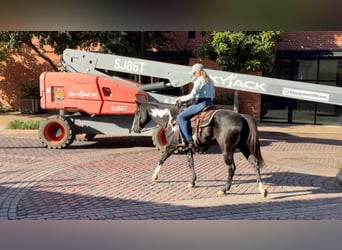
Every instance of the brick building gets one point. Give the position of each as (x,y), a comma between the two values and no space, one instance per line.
(21,67)
(310,56)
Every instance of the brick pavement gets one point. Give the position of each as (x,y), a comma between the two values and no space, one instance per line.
(110,178)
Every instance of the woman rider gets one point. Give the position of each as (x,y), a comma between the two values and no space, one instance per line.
(203,94)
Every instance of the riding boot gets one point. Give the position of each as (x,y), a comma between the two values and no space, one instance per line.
(191,144)
(182,144)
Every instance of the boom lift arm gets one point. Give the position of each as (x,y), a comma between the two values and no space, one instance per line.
(178,76)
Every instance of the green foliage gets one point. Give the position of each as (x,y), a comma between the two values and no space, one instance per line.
(3,52)
(132,43)
(5,109)
(241,51)
(19,124)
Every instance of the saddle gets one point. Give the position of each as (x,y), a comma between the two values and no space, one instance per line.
(203,118)
(200,121)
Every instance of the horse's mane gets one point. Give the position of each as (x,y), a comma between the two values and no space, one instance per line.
(160,105)
(172,107)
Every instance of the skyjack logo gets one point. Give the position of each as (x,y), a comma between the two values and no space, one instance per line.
(233,82)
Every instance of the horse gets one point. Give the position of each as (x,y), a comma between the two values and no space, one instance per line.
(229,129)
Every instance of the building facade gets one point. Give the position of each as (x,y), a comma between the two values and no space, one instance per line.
(307,56)
(19,69)
(314,57)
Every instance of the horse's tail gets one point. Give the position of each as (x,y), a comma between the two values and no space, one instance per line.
(253,139)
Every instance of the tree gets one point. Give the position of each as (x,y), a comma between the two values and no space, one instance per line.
(122,43)
(3,52)
(241,51)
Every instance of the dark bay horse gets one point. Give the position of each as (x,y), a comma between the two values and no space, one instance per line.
(231,131)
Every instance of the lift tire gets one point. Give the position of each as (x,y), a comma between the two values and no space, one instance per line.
(56,132)
(159,138)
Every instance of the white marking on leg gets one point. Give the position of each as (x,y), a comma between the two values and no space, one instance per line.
(261,187)
(155,173)
(262,190)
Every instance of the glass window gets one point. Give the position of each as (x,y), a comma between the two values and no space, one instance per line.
(281,69)
(305,70)
(339,73)
(327,70)
(323,71)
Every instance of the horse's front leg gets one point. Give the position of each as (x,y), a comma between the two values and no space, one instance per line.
(166,154)
(156,172)
(190,156)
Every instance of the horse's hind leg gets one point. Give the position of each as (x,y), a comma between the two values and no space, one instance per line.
(229,160)
(190,156)
(255,163)
(256,166)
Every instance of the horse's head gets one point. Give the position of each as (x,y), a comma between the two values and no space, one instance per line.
(141,118)
(162,114)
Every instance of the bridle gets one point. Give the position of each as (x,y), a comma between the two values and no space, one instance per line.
(137,118)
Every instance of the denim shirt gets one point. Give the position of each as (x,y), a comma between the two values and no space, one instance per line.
(201,89)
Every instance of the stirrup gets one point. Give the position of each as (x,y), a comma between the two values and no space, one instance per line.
(191,144)
(182,145)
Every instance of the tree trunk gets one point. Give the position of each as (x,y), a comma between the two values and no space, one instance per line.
(47,59)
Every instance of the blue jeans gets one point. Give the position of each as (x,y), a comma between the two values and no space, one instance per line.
(185,116)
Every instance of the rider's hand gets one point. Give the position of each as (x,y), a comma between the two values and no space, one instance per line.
(178,102)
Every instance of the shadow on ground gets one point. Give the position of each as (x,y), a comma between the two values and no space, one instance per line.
(114,142)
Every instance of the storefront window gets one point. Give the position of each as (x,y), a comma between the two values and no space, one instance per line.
(305,70)
(282,69)
(319,71)
(327,71)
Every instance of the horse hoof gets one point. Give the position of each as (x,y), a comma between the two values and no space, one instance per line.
(191,185)
(221,192)
(264,193)
(154,177)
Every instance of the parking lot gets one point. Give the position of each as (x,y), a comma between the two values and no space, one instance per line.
(109,178)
